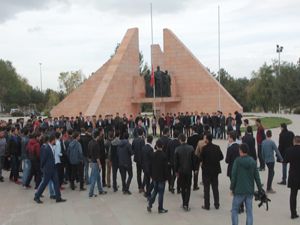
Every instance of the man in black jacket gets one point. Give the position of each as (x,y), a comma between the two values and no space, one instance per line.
(172,145)
(185,164)
(146,163)
(159,174)
(211,168)
(286,138)
(292,157)
(193,141)
(232,151)
(250,141)
(137,148)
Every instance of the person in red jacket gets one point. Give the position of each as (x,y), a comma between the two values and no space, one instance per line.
(33,152)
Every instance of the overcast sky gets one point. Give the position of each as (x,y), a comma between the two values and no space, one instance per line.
(69,35)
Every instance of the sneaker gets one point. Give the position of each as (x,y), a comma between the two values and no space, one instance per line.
(282,183)
(196,188)
(149,209)
(160,211)
(205,208)
(1,179)
(37,200)
(271,191)
(82,189)
(18,182)
(294,216)
(186,208)
(90,196)
(53,197)
(60,200)
(102,192)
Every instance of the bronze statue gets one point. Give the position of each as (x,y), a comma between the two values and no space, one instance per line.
(149,89)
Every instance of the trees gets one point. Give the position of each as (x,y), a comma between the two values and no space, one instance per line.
(68,81)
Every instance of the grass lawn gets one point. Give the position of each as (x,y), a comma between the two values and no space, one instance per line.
(270,122)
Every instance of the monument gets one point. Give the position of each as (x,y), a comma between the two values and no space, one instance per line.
(117,86)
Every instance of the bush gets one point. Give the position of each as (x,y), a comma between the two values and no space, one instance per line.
(17,113)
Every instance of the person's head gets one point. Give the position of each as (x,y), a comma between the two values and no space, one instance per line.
(195,129)
(140,132)
(166,131)
(182,138)
(243,149)
(269,133)
(159,145)
(149,139)
(208,138)
(37,135)
(57,135)
(110,134)
(76,135)
(126,135)
(283,126)
(297,140)
(246,122)
(232,136)
(249,130)
(258,122)
(51,139)
(117,134)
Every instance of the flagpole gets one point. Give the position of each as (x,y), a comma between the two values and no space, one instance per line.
(154,108)
(219,57)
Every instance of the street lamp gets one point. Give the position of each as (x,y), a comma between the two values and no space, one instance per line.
(279,50)
(41,77)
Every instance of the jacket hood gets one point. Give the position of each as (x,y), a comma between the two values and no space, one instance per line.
(246,162)
(116,141)
(123,142)
(73,143)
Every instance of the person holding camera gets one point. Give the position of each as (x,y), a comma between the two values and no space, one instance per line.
(244,174)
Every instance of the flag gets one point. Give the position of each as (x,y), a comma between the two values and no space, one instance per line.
(152,78)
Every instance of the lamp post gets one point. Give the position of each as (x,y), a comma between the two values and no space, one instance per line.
(41,79)
(279,50)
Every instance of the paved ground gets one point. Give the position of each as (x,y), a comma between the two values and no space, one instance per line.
(17,206)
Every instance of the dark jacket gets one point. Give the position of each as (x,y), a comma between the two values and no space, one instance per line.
(47,159)
(165,140)
(173,144)
(84,141)
(14,146)
(185,160)
(94,150)
(33,150)
(147,157)
(210,157)
(137,146)
(231,155)
(286,139)
(194,139)
(75,152)
(292,157)
(244,173)
(114,151)
(250,141)
(125,153)
(159,166)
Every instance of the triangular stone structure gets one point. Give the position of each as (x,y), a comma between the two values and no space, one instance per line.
(109,89)
(197,89)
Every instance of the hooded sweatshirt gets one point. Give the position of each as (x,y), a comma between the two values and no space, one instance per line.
(244,173)
(114,150)
(125,153)
(75,152)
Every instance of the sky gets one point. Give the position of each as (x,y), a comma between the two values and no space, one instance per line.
(70,35)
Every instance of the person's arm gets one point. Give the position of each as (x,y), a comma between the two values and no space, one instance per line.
(221,156)
(263,151)
(228,156)
(233,176)
(277,152)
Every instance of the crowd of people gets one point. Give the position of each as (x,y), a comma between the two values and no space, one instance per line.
(56,152)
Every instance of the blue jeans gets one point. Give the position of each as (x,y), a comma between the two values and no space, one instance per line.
(95,177)
(284,172)
(236,204)
(159,187)
(51,188)
(26,171)
(86,170)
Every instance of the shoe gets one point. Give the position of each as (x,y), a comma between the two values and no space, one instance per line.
(90,196)
(282,183)
(37,200)
(53,197)
(186,208)
(141,190)
(115,190)
(294,216)
(271,191)
(172,190)
(26,187)
(102,192)
(261,169)
(82,189)
(217,207)
(60,200)
(178,191)
(196,188)
(1,179)
(18,182)
(127,193)
(205,208)
(149,209)
(160,211)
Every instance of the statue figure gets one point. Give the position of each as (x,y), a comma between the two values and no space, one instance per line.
(158,82)
(149,89)
(167,83)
